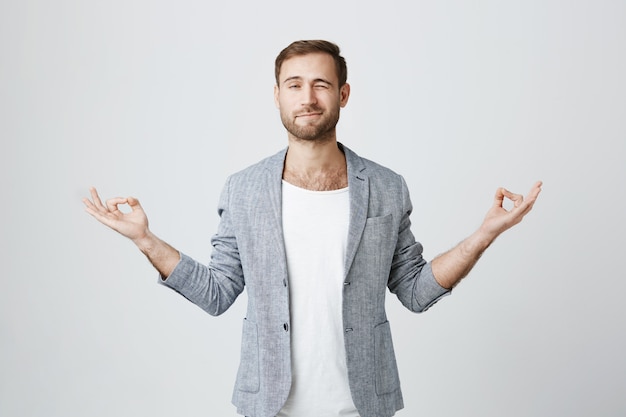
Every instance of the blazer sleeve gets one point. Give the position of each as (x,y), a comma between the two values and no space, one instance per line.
(411,278)
(212,287)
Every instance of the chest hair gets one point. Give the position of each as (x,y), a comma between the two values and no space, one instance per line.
(323,181)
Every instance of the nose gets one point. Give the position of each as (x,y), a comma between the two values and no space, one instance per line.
(308,95)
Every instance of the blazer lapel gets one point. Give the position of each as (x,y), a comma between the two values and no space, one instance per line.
(358,183)
(273,187)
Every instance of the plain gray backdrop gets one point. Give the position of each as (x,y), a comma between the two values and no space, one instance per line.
(162,100)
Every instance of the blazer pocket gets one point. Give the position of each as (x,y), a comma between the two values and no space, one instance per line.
(248,373)
(376,242)
(387,379)
(378,231)
(380,220)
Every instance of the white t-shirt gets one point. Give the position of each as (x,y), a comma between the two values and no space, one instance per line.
(315,225)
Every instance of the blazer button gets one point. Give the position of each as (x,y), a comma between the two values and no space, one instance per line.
(349,329)
(286,327)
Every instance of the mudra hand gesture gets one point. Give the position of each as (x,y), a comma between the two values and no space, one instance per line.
(498,219)
(133,225)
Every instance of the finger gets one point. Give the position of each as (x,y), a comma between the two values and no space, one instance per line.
(498,199)
(530,200)
(532,197)
(112,203)
(133,203)
(535,190)
(95,197)
(517,199)
(89,207)
(503,193)
(96,213)
(88,204)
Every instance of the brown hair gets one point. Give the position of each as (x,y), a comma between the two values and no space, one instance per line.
(299,48)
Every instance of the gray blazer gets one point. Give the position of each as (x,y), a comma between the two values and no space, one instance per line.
(248,250)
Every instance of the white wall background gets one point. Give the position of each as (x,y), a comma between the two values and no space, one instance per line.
(162,100)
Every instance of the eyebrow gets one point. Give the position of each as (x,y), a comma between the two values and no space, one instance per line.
(298,78)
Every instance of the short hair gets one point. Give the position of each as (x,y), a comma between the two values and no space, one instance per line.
(305,47)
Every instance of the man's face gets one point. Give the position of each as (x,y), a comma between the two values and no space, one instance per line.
(309,97)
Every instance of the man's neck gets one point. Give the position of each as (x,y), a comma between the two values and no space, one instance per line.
(315,165)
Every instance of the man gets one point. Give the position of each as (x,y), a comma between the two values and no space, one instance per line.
(316,234)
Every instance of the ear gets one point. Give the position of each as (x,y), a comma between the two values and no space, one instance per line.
(344,94)
(276,92)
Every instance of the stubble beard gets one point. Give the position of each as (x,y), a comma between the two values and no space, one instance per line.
(321,131)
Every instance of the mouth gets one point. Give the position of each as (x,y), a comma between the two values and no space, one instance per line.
(309,115)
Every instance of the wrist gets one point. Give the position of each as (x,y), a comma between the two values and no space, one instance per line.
(146,242)
(480,240)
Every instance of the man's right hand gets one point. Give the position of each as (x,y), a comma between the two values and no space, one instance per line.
(133,225)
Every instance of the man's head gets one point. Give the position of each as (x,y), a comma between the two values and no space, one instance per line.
(305,47)
(311,89)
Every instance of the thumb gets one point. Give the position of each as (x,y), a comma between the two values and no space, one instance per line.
(498,199)
(133,203)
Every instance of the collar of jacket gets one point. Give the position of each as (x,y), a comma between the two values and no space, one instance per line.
(358,184)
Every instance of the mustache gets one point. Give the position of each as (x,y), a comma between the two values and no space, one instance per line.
(308,110)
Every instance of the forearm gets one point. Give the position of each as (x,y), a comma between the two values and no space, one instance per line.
(452,266)
(160,254)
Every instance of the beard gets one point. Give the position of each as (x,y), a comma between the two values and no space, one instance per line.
(317,131)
